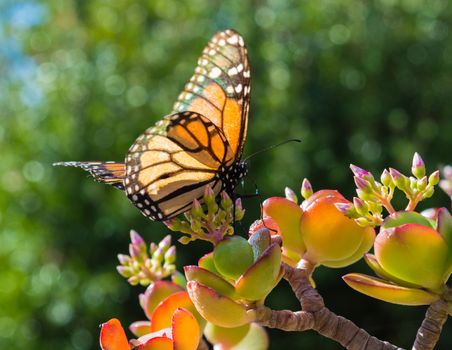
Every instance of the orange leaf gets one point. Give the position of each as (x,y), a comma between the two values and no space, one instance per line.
(162,315)
(158,343)
(112,336)
(186,332)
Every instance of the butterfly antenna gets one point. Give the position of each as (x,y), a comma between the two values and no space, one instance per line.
(270,148)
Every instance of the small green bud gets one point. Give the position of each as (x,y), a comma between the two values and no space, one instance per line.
(398,179)
(170,255)
(306,189)
(363,222)
(386,178)
(134,280)
(226,201)
(290,195)
(348,209)
(165,243)
(365,195)
(196,209)
(152,248)
(360,206)
(124,271)
(433,179)
(124,259)
(422,183)
(418,166)
(158,255)
(174,224)
(428,193)
(209,195)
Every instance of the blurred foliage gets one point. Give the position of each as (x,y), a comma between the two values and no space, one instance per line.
(358,82)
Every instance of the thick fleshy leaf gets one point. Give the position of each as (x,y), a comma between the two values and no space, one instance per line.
(262,276)
(259,241)
(232,256)
(140,328)
(158,343)
(413,253)
(207,262)
(444,225)
(218,309)
(186,332)
(256,339)
(209,279)
(330,236)
(155,293)
(287,216)
(179,279)
(321,194)
(406,217)
(371,260)
(112,336)
(162,315)
(388,292)
(227,337)
(366,244)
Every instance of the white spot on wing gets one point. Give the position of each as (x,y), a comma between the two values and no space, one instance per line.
(215,73)
(233,39)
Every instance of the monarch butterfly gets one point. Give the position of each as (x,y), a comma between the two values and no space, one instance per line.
(199,144)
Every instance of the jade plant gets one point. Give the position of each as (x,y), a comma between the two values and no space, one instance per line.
(221,300)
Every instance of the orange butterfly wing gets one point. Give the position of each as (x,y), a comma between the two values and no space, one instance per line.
(201,144)
(220,87)
(171,164)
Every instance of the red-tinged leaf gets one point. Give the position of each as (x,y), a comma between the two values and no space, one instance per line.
(155,293)
(391,293)
(140,328)
(287,216)
(158,343)
(262,276)
(331,237)
(414,253)
(186,332)
(113,337)
(218,309)
(162,315)
(196,273)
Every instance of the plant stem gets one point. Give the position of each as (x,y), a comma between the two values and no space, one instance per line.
(430,330)
(317,317)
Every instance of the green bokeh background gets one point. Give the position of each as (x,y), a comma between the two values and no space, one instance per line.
(358,82)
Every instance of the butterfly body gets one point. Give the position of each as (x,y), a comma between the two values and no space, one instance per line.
(200,144)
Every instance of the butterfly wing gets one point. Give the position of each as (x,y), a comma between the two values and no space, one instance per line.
(171,164)
(220,87)
(110,173)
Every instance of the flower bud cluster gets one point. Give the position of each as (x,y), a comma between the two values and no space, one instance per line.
(211,223)
(144,266)
(373,195)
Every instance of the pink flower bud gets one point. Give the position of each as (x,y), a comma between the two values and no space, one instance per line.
(398,178)
(306,189)
(359,172)
(135,238)
(134,250)
(362,184)
(124,259)
(418,166)
(386,178)
(290,195)
(345,208)
(433,179)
